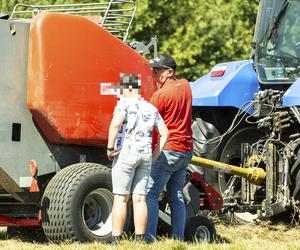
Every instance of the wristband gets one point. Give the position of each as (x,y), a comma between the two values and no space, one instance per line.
(110,149)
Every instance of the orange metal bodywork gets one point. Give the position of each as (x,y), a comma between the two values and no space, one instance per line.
(69,57)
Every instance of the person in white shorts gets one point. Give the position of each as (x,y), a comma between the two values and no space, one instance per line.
(130,146)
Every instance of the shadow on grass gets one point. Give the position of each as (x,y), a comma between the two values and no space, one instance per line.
(222,240)
(26,234)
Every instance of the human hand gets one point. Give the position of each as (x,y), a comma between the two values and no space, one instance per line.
(112,154)
(156,154)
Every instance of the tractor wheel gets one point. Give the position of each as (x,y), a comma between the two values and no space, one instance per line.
(295,177)
(200,229)
(202,132)
(77,204)
(229,151)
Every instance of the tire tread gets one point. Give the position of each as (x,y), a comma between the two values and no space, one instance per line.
(60,191)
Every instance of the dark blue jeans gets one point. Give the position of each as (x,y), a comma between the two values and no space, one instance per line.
(168,170)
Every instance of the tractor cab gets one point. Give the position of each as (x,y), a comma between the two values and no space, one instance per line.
(277,42)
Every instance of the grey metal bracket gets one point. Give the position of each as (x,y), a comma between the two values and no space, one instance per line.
(144,49)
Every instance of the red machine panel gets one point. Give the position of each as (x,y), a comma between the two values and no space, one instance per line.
(69,58)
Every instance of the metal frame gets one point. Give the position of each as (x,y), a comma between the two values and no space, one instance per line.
(6,221)
(116,15)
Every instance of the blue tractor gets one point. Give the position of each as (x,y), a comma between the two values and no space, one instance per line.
(247,113)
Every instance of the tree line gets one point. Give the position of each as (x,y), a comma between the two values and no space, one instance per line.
(198,33)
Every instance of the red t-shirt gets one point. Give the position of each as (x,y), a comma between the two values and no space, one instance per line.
(174,103)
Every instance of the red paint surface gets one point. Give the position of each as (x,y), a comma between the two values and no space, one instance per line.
(217,73)
(211,200)
(69,56)
(6,221)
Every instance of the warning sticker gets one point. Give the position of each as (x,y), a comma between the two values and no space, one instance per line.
(108,89)
(222,169)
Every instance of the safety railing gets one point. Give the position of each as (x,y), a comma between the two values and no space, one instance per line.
(115,16)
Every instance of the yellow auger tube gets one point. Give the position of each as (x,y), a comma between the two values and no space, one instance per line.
(252,174)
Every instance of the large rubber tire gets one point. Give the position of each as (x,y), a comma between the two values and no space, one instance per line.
(202,132)
(77,204)
(229,151)
(200,229)
(295,177)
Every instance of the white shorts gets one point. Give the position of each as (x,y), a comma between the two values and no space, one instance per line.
(130,173)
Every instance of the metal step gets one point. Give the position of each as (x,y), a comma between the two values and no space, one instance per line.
(15,209)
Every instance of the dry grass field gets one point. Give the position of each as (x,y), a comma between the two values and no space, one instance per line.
(264,236)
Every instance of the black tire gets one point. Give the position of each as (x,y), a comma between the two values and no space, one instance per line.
(77,204)
(295,177)
(229,151)
(200,229)
(202,132)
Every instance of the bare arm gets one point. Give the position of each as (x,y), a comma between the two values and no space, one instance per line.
(164,135)
(112,135)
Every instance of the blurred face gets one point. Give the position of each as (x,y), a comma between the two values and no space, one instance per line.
(131,92)
(160,75)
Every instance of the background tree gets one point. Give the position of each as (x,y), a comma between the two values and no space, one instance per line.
(198,33)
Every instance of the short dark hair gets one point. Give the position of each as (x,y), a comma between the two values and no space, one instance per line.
(127,80)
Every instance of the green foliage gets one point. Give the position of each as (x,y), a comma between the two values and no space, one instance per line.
(198,33)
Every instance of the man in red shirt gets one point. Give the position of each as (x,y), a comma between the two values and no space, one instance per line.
(174,102)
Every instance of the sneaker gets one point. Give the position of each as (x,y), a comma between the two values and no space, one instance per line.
(115,240)
(139,238)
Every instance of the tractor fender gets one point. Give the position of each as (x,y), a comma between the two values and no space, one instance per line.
(236,86)
(292,95)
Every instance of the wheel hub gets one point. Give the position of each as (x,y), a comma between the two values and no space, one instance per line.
(96,211)
(202,234)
